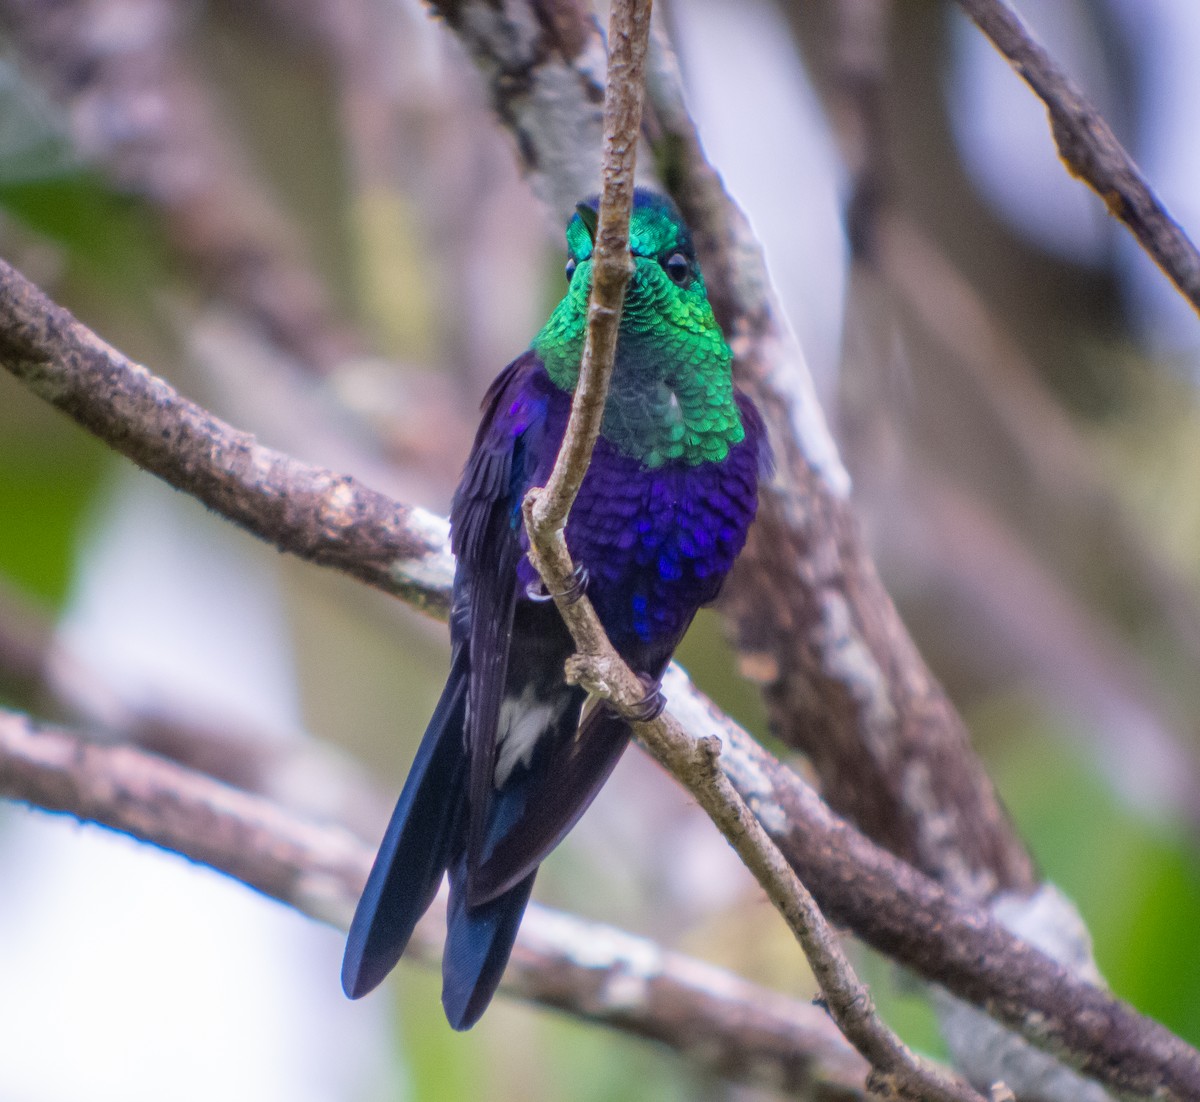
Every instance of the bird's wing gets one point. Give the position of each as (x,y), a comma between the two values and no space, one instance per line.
(757,437)
(543,804)
(485,524)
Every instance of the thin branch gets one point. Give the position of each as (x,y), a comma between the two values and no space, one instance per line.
(586,969)
(1090,149)
(885,901)
(908,917)
(696,762)
(599,668)
(628,36)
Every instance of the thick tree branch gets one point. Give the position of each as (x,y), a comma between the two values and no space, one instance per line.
(880,897)
(307,511)
(1090,149)
(586,969)
(815,626)
(842,678)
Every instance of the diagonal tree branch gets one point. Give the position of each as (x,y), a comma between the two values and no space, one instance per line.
(328,519)
(1090,149)
(842,678)
(586,969)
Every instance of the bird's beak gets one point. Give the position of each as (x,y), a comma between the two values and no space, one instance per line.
(589,218)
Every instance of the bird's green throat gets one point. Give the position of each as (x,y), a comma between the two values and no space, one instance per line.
(671,396)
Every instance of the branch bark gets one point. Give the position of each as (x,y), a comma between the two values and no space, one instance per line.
(329,519)
(842,678)
(913,919)
(628,36)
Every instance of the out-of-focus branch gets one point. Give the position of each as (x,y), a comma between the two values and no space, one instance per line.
(171,151)
(41,674)
(884,900)
(588,970)
(896,1071)
(842,678)
(1089,148)
(140,111)
(1027,625)
(1052,453)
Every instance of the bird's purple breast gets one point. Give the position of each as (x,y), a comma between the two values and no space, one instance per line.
(658,543)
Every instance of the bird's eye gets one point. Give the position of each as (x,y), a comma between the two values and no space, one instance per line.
(678,268)
(570,268)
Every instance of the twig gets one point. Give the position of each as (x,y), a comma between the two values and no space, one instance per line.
(589,970)
(1089,148)
(628,35)
(600,669)
(895,909)
(881,898)
(696,763)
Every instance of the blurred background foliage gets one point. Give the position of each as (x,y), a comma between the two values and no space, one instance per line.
(301,213)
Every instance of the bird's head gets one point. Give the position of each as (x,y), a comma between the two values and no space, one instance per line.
(672,393)
(665,268)
(666,303)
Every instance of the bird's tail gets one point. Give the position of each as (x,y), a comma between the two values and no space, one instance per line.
(479,941)
(419,845)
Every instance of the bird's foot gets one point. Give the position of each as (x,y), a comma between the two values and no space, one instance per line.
(652,704)
(537,591)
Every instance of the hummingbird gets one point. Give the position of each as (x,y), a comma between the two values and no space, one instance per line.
(513,754)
